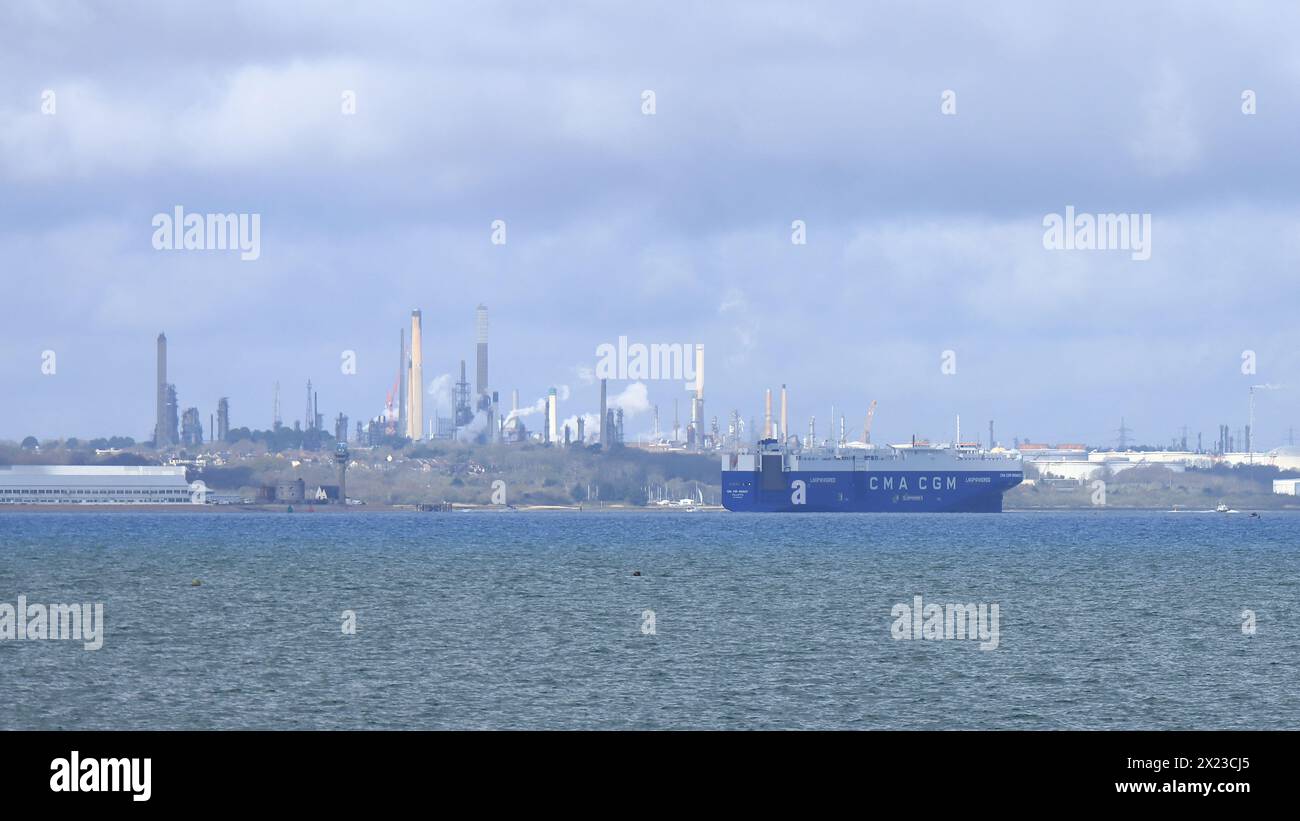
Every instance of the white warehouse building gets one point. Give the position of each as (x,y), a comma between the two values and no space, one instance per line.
(1287,487)
(98,485)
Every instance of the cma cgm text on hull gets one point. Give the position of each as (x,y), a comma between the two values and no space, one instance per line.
(866,478)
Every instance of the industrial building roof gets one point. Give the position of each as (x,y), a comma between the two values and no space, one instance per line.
(92,475)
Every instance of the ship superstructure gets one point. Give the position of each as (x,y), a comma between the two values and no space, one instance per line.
(864,477)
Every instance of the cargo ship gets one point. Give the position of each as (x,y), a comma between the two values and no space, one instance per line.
(867,478)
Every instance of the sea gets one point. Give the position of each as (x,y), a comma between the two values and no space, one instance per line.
(651,620)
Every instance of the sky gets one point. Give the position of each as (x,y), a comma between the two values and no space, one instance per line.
(921,145)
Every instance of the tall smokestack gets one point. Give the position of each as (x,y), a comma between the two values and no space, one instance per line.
(223,419)
(698,410)
(767,416)
(785,430)
(604,429)
(415,425)
(699,373)
(160,432)
(552,411)
(495,419)
(402,369)
(481,378)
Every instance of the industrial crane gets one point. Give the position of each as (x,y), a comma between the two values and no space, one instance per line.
(866,427)
(390,424)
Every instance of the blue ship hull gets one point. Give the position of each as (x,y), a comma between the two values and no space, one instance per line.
(874,491)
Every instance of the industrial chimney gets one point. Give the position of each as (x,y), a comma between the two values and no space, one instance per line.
(785,430)
(415,391)
(604,429)
(403,373)
(767,415)
(481,377)
(161,431)
(698,411)
(552,411)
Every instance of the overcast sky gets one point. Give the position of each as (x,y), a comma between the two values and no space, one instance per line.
(924,229)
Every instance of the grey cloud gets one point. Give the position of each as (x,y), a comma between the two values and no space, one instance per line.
(924,230)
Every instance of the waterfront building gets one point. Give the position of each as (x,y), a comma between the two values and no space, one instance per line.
(98,485)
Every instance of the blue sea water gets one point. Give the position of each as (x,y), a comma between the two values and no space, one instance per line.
(535,620)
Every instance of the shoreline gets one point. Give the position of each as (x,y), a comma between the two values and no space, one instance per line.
(390,509)
(338,509)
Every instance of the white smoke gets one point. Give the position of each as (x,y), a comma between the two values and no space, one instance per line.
(528,410)
(440,390)
(590,427)
(562,394)
(743,322)
(476,426)
(634,399)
